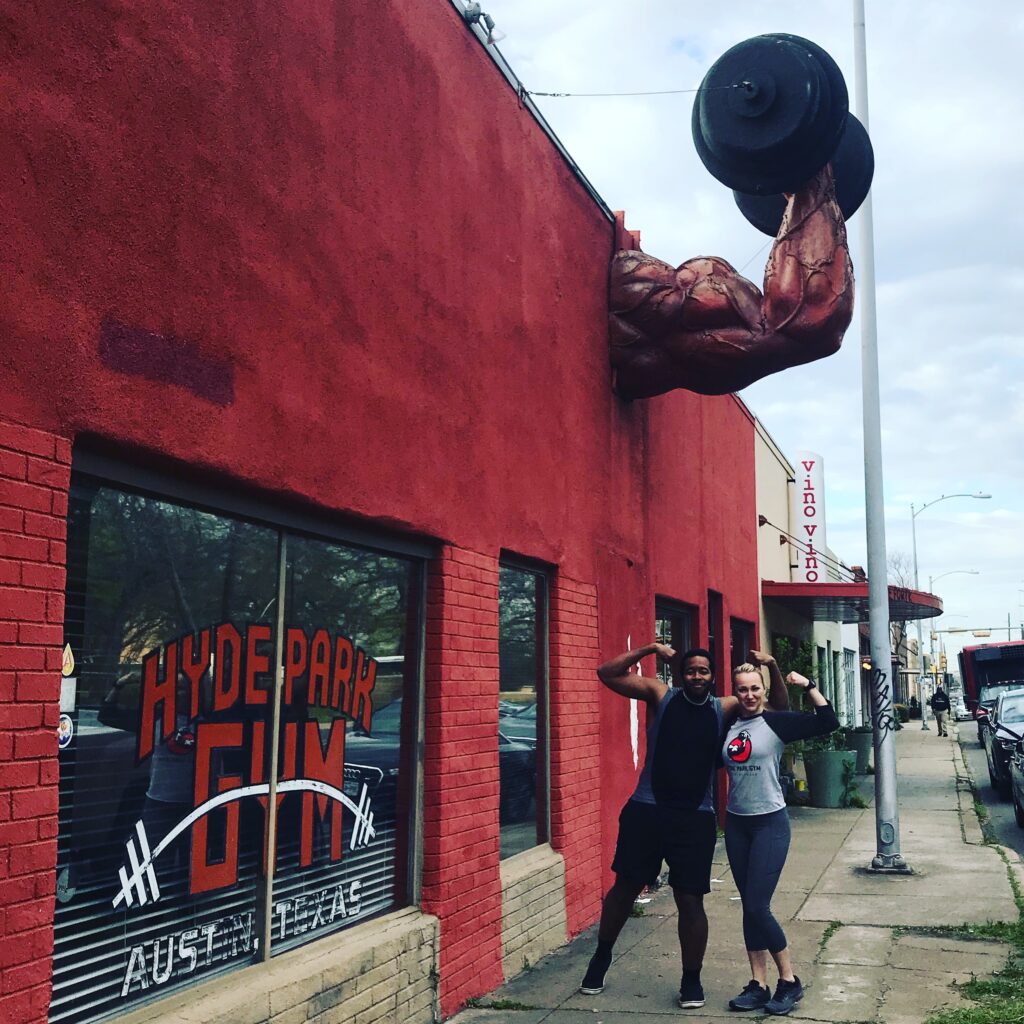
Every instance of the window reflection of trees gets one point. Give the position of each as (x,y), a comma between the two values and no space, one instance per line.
(157,570)
(358,593)
(517,645)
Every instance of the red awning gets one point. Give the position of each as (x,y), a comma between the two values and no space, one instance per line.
(848,602)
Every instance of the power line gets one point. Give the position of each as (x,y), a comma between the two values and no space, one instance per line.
(660,92)
(653,92)
(756,254)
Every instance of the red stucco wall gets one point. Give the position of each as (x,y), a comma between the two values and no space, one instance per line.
(321,251)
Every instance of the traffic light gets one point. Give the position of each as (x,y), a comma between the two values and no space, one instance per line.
(942,662)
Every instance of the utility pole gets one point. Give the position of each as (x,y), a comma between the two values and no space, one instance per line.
(920,642)
(887,822)
(931,659)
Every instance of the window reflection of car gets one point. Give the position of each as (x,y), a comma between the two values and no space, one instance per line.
(520,725)
(102,791)
(1003,733)
(987,696)
(380,749)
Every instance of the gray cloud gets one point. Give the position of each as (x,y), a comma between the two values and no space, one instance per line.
(949,244)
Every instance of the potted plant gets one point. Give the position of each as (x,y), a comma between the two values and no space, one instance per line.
(829,768)
(861,740)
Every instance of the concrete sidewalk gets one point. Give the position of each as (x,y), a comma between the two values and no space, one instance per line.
(841,922)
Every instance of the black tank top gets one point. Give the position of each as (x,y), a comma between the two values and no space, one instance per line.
(685,753)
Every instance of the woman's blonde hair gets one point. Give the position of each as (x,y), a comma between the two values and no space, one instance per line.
(745,667)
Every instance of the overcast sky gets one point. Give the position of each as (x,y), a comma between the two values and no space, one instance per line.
(947,125)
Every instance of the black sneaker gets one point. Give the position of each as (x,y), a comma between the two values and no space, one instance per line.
(753,997)
(691,995)
(787,995)
(593,980)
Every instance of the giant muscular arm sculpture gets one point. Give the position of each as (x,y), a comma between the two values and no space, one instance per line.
(704,328)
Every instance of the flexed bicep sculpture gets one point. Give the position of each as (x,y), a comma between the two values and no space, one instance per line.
(702,326)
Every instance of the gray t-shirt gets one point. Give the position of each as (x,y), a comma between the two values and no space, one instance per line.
(753,749)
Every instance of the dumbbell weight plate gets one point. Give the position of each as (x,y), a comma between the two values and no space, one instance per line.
(769,113)
(831,125)
(853,167)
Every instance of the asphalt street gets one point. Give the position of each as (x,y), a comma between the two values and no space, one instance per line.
(1000,811)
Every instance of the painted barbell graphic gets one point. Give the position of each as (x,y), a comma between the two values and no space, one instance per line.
(141,884)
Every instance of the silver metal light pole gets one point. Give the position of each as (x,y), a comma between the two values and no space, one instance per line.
(920,639)
(913,533)
(887,824)
(932,580)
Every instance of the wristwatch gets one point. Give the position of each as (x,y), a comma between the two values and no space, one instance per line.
(811,685)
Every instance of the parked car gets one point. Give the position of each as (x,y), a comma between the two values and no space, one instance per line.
(520,725)
(1017,783)
(961,712)
(103,789)
(517,761)
(987,696)
(1003,733)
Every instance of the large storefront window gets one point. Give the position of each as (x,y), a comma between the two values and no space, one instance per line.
(171,782)
(522,703)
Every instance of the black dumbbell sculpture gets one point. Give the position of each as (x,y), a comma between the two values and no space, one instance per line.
(770,118)
(771,112)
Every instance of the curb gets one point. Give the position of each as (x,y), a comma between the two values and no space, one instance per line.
(1015,865)
(970,823)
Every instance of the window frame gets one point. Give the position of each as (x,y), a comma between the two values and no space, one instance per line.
(545,573)
(667,609)
(263,509)
(747,629)
(92,467)
(716,645)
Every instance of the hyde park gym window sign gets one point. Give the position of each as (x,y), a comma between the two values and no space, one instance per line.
(204,825)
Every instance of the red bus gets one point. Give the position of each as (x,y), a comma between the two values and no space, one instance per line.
(986,670)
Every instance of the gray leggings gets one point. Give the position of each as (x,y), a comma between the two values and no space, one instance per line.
(757,845)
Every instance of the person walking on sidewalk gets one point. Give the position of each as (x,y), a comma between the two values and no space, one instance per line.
(757,826)
(670,815)
(940,705)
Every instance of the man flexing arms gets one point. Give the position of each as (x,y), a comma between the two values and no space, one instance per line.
(670,815)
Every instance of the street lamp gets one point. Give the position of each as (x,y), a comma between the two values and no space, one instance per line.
(914,513)
(932,580)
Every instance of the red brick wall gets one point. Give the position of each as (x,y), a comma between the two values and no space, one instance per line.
(34,478)
(575,748)
(461,766)
(461,879)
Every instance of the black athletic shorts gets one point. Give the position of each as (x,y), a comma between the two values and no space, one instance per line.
(649,835)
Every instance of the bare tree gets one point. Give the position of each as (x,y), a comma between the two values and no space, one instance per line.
(901,574)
